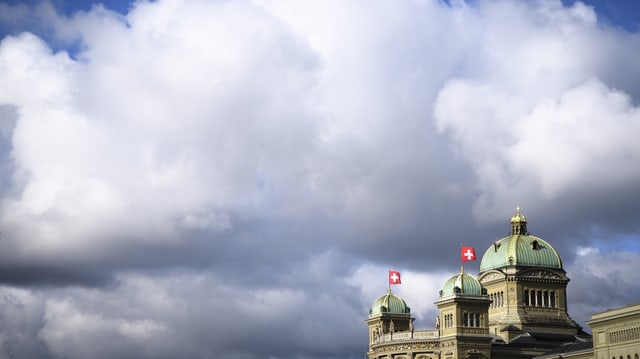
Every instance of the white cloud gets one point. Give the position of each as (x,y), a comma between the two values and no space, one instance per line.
(547,147)
(601,280)
(71,333)
(161,121)
(20,318)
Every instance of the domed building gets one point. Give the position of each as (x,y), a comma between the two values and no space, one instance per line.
(462,319)
(515,308)
(388,314)
(526,283)
(391,331)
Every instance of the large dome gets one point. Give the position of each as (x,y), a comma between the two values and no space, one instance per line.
(520,249)
(461,283)
(389,303)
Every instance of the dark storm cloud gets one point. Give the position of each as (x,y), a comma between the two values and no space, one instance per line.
(201,178)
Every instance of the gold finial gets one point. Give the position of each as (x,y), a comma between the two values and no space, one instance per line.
(518,209)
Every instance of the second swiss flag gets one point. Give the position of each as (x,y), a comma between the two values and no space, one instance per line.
(468,254)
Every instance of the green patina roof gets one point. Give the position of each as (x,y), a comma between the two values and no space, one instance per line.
(467,284)
(520,249)
(389,303)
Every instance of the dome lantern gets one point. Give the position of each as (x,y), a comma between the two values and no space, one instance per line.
(518,223)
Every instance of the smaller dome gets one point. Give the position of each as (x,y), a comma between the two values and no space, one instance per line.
(461,283)
(389,303)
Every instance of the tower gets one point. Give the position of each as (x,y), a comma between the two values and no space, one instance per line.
(463,318)
(526,283)
(388,314)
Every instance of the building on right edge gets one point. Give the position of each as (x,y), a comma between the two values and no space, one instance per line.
(616,335)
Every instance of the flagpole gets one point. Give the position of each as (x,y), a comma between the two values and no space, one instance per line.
(467,254)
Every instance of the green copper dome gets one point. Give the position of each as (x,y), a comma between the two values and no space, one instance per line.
(520,249)
(461,283)
(389,303)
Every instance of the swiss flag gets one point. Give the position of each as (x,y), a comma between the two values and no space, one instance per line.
(468,254)
(394,277)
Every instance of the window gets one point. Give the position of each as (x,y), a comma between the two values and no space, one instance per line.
(539,298)
(448,320)
(525,297)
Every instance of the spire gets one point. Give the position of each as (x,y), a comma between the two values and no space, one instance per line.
(518,223)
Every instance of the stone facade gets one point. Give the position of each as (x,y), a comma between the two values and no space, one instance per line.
(514,309)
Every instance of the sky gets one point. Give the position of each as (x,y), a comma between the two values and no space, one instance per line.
(233,179)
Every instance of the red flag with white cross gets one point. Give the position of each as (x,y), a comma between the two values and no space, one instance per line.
(394,277)
(468,254)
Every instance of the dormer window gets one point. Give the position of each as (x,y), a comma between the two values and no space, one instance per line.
(535,245)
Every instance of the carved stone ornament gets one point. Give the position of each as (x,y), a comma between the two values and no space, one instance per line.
(492,276)
(542,274)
